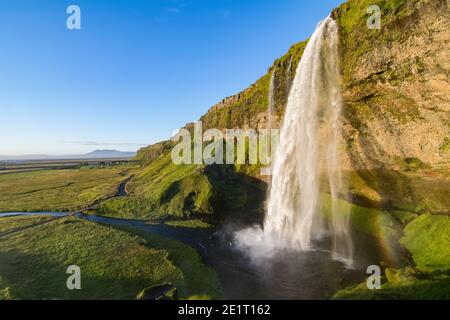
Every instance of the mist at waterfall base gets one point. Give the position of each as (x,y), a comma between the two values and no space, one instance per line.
(308,154)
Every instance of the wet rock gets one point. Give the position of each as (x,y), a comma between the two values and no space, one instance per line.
(165,291)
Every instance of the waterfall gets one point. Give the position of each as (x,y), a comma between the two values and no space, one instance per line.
(288,77)
(307,156)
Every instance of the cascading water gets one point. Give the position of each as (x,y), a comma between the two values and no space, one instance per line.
(308,154)
(288,77)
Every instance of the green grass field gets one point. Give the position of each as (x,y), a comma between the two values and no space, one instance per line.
(59,190)
(115,264)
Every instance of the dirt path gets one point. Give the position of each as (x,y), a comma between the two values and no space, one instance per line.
(121,192)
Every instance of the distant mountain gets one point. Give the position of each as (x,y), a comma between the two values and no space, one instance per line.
(109,154)
(97,154)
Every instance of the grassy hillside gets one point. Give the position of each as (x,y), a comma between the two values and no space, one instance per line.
(162,188)
(165,190)
(427,238)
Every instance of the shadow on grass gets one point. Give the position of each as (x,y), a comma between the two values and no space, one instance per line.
(33,225)
(32,276)
(198,279)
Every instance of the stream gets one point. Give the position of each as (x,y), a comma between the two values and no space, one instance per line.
(287,275)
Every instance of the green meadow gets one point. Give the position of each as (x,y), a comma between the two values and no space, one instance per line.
(115,264)
(59,190)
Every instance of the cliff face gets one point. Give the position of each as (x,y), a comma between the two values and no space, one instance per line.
(396,103)
(397,92)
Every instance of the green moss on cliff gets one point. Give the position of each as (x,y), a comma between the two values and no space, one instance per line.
(149,153)
(428,239)
(374,222)
(445,146)
(412,190)
(242,109)
(403,216)
(413,164)
(358,40)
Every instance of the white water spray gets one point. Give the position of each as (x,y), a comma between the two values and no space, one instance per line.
(308,154)
(288,77)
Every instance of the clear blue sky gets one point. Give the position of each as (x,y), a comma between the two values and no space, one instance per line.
(137,70)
